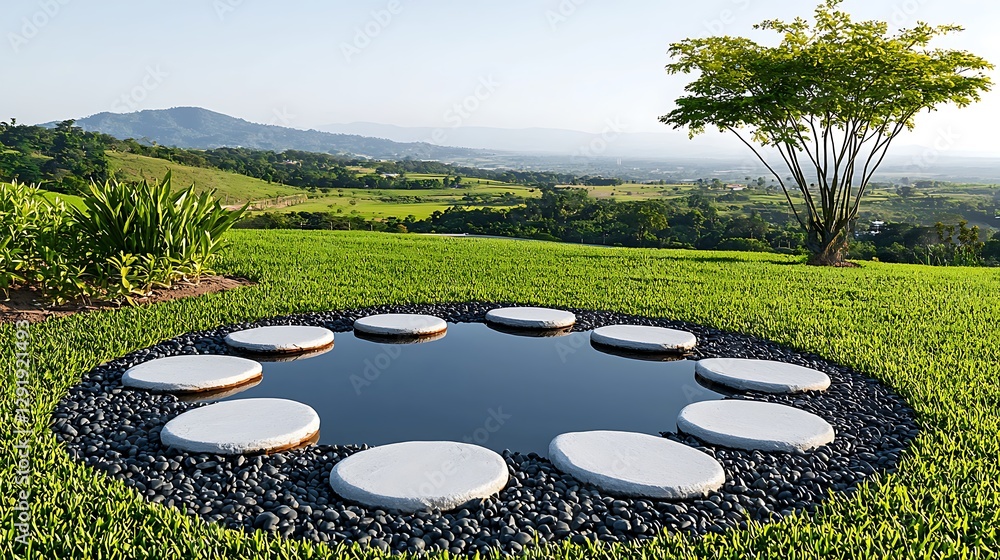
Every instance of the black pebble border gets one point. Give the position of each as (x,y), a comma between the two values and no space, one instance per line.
(116,431)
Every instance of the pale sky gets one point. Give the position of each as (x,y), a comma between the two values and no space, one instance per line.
(571,64)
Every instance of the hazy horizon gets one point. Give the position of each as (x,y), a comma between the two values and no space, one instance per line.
(563,64)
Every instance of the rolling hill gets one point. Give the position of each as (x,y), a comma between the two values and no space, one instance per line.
(231,188)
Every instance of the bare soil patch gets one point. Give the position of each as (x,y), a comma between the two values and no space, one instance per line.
(26,305)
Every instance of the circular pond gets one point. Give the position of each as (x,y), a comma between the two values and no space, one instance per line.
(496,390)
(478,385)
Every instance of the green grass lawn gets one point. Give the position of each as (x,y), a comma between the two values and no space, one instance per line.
(930,333)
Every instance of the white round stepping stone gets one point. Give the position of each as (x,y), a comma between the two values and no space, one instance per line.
(212,396)
(531,317)
(401,324)
(285,357)
(637,465)
(281,339)
(530,333)
(755,425)
(192,374)
(419,475)
(242,426)
(638,338)
(400,340)
(761,375)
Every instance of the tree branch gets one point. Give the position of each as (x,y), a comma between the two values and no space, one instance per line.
(773,172)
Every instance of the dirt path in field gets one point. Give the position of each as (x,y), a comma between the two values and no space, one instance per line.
(24,304)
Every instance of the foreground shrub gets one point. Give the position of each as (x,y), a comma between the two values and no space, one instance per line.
(32,229)
(127,240)
(142,236)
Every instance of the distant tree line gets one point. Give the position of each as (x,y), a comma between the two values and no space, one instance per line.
(570,215)
(291,167)
(521,177)
(64,158)
(326,171)
(319,221)
(941,245)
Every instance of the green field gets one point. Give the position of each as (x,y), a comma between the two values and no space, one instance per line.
(929,333)
(946,202)
(231,188)
(473,181)
(385,203)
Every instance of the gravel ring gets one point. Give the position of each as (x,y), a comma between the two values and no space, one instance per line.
(116,431)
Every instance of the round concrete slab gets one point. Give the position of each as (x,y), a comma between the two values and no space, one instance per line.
(286,357)
(755,425)
(420,475)
(192,374)
(530,333)
(634,355)
(281,339)
(531,318)
(401,324)
(636,465)
(242,426)
(212,396)
(400,340)
(761,375)
(638,338)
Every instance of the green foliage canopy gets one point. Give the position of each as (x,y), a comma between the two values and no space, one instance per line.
(829,99)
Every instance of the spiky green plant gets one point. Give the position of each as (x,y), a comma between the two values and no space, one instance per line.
(142,235)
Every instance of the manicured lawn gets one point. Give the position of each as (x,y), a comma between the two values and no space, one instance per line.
(930,333)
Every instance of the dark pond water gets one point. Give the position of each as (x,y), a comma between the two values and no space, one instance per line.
(478,385)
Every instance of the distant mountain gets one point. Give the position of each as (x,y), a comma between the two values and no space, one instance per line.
(192,127)
(613,141)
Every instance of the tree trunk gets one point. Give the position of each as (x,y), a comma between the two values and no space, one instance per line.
(828,249)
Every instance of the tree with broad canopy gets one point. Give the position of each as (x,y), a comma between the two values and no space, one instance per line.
(829,100)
